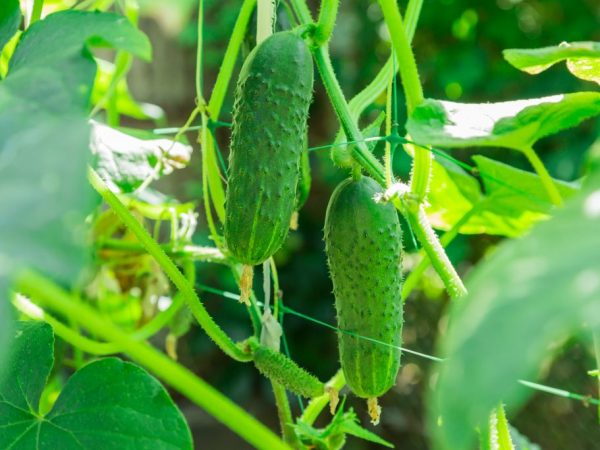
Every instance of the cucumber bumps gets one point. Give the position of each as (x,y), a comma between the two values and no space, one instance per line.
(272,97)
(364,248)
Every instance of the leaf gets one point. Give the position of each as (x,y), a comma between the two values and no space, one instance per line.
(515,191)
(43,157)
(125,103)
(500,437)
(125,162)
(535,290)
(10,18)
(521,442)
(64,34)
(583,59)
(515,124)
(108,404)
(513,202)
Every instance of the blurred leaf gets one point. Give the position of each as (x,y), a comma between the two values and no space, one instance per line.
(125,103)
(534,290)
(125,162)
(64,34)
(92,410)
(521,442)
(7,53)
(171,15)
(515,124)
(583,59)
(10,18)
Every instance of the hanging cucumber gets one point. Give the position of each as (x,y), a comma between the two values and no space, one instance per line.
(272,97)
(364,247)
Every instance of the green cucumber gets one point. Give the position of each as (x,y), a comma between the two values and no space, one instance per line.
(278,367)
(363,241)
(273,94)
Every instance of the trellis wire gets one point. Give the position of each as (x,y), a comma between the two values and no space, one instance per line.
(284,309)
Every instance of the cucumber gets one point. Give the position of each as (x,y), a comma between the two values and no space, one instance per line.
(283,370)
(364,249)
(272,97)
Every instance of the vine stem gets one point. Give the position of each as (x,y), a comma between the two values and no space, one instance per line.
(285,416)
(36,11)
(199,52)
(180,378)
(409,75)
(265,19)
(545,177)
(202,316)
(326,20)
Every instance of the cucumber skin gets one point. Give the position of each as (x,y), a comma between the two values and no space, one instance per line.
(272,97)
(364,249)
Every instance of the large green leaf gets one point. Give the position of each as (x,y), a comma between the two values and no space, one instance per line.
(515,124)
(125,162)
(10,17)
(530,293)
(514,199)
(108,404)
(64,34)
(583,59)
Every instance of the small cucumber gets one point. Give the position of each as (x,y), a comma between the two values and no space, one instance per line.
(273,94)
(363,241)
(286,372)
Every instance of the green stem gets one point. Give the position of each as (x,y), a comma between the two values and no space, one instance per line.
(430,242)
(196,253)
(326,21)
(317,404)
(171,270)
(285,416)
(545,177)
(226,70)
(360,151)
(417,272)
(36,11)
(172,373)
(302,11)
(199,52)
(265,19)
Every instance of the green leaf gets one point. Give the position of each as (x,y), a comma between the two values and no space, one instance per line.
(10,17)
(108,404)
(514,199)
(65,34)
(538,289)
(514,191)
(583,59)
(515,124)
(125,103)
(521,442)
(125,162)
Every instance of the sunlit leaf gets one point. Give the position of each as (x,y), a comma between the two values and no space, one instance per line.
(583,59)
(91,410)
(64,34)
(535,290)
(125,162)
(515,124)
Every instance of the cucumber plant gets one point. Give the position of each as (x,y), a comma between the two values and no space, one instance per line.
(139,276)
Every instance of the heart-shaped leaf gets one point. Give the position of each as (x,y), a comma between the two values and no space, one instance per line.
(108,404)
(534,290)
(515,124)
(583,59)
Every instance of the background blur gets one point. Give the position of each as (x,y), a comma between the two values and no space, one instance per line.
(458,46)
